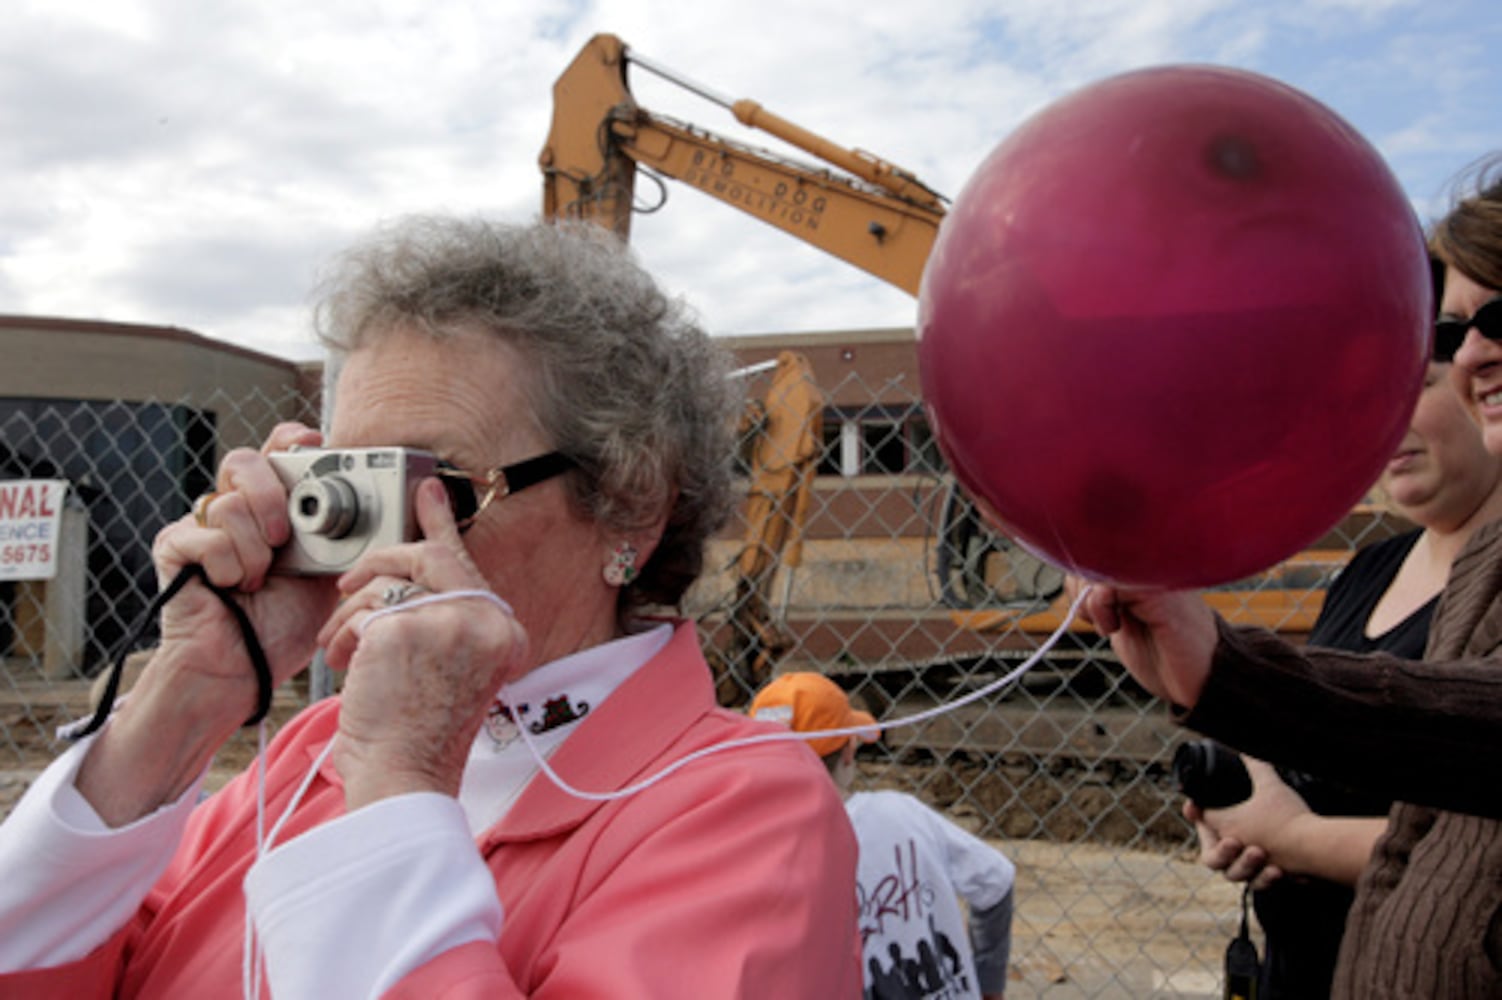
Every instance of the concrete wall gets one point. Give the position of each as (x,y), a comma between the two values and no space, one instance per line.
(53,358)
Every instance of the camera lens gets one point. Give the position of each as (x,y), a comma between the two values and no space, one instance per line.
(326,506)
(1212,775)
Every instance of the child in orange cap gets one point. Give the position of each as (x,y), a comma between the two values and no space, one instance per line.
(914,865)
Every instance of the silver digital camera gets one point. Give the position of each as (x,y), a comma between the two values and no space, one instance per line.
(345,502)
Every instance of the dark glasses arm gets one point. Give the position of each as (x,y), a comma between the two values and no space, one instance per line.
(532,471)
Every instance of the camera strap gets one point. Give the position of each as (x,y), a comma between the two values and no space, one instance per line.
(1243,966)
(247,632)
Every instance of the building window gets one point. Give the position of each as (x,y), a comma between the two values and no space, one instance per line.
(831,450)
(923,452)
(883,449)
(878,441)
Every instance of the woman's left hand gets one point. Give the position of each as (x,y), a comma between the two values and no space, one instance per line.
(1266,820)
(1236,861)
(419,681)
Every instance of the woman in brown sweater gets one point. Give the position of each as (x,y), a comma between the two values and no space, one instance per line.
(1427,920)
(1443,479)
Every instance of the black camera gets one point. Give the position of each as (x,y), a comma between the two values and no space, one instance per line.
(1211,774)
(1214,777)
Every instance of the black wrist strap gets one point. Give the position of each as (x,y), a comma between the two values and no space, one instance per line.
(247,632)
(1243,966)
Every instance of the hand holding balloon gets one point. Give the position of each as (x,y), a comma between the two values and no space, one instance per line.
(1164,638)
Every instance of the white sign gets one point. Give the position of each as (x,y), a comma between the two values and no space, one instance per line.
(30,510)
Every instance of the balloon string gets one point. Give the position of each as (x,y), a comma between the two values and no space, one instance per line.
(746,741)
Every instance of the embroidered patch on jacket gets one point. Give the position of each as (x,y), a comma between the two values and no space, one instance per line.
(500,724)
(559,711)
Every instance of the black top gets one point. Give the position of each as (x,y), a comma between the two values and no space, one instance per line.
(1354,595)
(1303,918)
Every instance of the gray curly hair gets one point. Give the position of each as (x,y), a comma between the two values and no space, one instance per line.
(629,387)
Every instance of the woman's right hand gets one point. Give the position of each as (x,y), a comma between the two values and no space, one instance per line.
(245,522)
(1165,638)
(200,686)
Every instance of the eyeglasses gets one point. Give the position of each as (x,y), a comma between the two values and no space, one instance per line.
(469,494)
(1450,333)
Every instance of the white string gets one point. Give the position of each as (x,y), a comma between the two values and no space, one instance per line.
(747,741)
(436,598)
(252,971)
(250,965)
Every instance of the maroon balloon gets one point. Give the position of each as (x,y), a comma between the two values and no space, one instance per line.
(1174,326)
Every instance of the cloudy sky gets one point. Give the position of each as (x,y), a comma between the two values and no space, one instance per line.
(193,163)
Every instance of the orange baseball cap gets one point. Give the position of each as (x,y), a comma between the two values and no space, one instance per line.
(808,703)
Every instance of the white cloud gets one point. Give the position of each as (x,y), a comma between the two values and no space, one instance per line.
(191,164)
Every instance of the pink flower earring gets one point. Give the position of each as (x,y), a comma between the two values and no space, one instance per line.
(621,569)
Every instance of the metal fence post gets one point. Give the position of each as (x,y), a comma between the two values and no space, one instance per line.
(65,601)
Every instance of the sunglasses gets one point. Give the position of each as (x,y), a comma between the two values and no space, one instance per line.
(470,494)
(1450,333)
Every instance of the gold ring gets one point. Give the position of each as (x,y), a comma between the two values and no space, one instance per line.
(201,508)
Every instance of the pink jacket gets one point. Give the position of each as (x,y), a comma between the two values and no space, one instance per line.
(733,877)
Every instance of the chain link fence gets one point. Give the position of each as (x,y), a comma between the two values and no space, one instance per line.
(853,556)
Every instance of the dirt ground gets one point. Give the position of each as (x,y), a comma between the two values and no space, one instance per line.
(1094,917)
(1109,922)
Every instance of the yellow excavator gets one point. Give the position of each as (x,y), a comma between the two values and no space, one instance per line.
(858,207)
(875,216)
(784,432)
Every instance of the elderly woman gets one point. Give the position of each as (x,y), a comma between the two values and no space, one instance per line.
(584,422)
(1427,916)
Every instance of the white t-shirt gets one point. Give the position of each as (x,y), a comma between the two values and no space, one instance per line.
(914,866)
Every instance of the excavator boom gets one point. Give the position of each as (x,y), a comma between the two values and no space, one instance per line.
(582,175)
(859,208)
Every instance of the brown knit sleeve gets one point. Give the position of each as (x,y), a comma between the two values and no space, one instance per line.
(1420,732)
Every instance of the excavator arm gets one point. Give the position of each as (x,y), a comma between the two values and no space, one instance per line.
(860,208)
(784,433)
